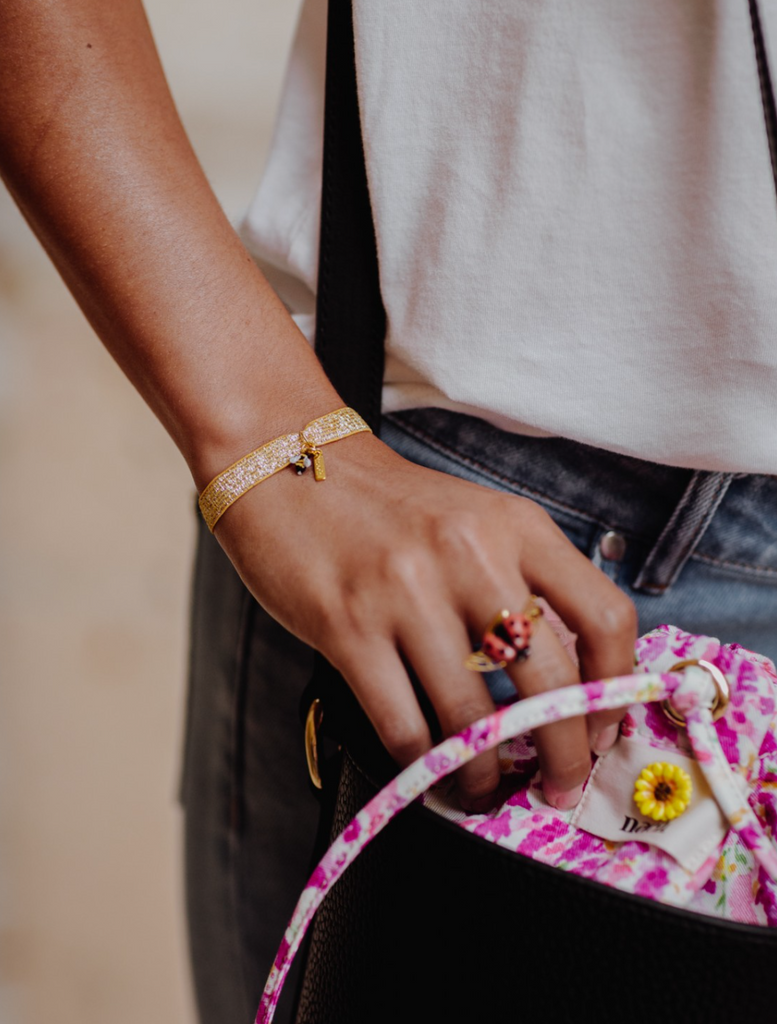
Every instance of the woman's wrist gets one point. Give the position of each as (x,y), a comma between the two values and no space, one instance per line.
(288,506)
(299,450)
(243,422)
(217,447)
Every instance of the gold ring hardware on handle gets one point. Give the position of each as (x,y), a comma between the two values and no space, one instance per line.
(315,717)
(722,697)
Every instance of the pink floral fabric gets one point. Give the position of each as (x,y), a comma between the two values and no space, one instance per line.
(738,755)
(733,884)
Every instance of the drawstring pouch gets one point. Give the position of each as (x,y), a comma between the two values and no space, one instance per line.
(681,811)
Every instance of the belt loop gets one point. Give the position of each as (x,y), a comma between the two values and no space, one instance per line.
(682,533)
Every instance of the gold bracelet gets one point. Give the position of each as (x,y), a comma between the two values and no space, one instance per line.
(298,450)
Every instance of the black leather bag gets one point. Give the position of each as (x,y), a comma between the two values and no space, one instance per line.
(586,950)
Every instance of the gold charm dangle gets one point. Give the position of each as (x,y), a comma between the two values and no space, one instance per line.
(319,470)
(311,456)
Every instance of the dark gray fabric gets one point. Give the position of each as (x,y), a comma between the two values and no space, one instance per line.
(250,813)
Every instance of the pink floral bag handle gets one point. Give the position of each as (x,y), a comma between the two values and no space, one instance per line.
(693,694)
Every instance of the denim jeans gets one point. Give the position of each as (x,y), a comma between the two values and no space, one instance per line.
(695,550)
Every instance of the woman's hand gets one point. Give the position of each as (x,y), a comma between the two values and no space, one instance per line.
(388,564)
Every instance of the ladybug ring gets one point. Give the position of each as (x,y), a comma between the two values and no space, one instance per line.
(506,640)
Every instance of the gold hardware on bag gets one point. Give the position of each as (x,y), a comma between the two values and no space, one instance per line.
(313,721)
(722,697)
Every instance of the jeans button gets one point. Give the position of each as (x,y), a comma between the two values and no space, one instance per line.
(612,546)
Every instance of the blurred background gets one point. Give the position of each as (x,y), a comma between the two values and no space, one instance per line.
(93,598)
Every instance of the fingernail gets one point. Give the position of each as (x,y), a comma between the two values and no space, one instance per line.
(563,800)
(605,739)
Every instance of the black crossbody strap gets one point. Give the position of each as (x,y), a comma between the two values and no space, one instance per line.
(767,88)
(350,318)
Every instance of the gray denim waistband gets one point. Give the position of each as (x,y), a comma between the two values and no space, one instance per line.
(669,509)
(682,534)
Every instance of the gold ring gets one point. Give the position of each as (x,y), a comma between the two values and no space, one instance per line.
(722,696)
(506,640)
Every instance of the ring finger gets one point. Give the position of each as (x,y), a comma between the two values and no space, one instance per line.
(459,697)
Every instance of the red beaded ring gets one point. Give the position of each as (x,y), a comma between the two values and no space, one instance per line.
(506,639)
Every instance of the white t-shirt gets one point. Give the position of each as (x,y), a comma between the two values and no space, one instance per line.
(575,215)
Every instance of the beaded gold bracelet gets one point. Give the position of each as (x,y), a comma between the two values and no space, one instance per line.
(298,450)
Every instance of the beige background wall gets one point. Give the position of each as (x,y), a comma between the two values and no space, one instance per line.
(93,597)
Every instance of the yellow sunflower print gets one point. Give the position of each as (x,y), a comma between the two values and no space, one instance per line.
(663,791)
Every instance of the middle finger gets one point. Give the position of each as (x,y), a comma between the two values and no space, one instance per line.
(562,748)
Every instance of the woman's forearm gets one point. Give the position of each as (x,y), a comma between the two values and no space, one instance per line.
(388,566)
(94,152)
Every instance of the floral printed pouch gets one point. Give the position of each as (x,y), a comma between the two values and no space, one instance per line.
(715,873)
(685,814)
